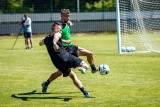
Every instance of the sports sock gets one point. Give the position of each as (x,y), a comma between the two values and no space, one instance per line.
(47,82)
(83,91)
(93,67)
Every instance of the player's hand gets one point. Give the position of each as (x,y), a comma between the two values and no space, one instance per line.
(70,23)
(41,42)
(56,47)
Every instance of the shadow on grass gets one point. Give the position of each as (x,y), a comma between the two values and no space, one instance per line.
(26,98)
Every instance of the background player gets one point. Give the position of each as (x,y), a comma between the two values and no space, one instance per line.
(27,31)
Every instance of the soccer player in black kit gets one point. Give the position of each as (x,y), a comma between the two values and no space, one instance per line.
(61,59)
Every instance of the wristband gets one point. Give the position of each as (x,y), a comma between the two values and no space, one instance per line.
(54,42)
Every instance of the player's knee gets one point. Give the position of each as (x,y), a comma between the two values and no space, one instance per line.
(90,53)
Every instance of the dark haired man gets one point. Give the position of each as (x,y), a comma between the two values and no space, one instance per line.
(62,59)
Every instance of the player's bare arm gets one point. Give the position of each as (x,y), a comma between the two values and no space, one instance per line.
(26,24)
(70,23)
(66,41)
(56,38)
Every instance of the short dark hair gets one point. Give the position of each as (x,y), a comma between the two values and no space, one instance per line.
(65,11)
(56,23)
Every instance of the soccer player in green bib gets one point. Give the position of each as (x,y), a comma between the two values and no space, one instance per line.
(67,42)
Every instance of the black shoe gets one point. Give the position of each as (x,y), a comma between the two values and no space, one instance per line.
(44,88)
(95,70)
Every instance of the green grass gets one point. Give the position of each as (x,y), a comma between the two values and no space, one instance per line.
(133,81)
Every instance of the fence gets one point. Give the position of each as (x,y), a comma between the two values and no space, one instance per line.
(41,22)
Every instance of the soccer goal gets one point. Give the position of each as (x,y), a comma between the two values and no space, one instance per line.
(138,26)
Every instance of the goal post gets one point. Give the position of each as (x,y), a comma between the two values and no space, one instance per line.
(138,26)
(118,26)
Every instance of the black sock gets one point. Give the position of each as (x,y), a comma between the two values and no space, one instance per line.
(83,91)
(47,82)
(93,67)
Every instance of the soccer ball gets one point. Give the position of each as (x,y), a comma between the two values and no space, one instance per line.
(104,69)
(128,49)
(123,49)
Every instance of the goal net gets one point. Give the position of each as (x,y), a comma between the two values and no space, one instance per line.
(138,25)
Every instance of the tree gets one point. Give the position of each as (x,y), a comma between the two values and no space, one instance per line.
(101,5)
(44,6)
(87,5)
(10,6)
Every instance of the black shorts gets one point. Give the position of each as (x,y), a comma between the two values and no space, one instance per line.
(65,61)
(72,49)
(27,34)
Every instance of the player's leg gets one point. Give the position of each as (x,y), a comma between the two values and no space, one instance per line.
(83,67)
(25,40)
(28,43)
(52,77)
(78,83)
(28,35)
(31,42)
(89,55)
(30,39)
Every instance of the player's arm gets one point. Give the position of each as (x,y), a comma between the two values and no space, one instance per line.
(66,41)
(56,38)
(70,23)
(27,23)
(21,22)
(41,42)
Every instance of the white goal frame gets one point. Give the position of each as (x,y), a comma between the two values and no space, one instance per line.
(143,17)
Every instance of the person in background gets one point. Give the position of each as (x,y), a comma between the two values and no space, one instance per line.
(27,31)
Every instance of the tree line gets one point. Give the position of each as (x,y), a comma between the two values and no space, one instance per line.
(47,6)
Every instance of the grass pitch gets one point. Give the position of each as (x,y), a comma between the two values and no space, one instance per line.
(133,81)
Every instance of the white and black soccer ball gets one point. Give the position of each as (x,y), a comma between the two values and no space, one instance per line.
(123,49)
(128,49)
(104,69)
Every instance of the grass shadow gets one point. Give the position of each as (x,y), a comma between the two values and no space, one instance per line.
(26,98)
